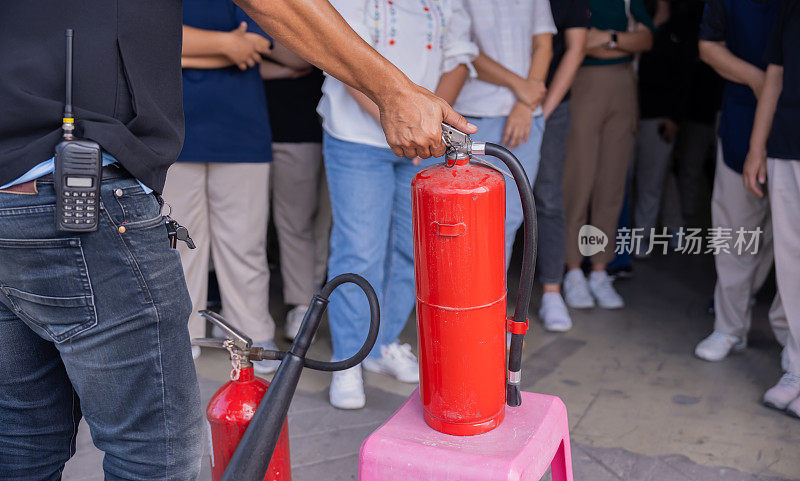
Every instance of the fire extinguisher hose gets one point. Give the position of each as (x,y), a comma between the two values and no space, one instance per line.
(251,459)
(513,396)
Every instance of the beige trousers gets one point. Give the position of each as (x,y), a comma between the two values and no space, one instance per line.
(784,199)
(225,206)
(301,208)
(739,277)
(603,113)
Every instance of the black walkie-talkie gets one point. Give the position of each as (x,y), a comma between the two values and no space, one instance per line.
(78,170)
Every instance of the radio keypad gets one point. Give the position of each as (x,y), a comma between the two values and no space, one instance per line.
(79,207)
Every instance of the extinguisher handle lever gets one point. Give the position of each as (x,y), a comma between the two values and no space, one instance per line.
(240,339)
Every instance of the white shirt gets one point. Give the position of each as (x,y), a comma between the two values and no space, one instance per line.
(503,30)
(423,38)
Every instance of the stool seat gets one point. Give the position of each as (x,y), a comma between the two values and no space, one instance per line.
(532,437)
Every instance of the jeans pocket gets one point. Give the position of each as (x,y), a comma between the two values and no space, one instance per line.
(46,283)
(138,209)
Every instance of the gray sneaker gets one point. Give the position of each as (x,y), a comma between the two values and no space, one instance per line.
(783,393)
(576,290)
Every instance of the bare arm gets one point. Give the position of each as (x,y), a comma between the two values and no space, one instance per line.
(282,55)
(731,67)
(207,62)
(271,71)
(638,41)
(365,103)
(242,48)
(564,75)
(410,115)
(450,83)
(755,166)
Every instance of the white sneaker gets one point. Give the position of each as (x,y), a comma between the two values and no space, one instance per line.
(347,389)
(266,367)
(397,361)
(718,345)
(603,291)
(783,393)
(554,313)
(576,290)
(294,319)
(195,352)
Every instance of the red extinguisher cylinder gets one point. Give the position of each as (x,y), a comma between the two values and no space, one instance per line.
(229,412)
(459,263)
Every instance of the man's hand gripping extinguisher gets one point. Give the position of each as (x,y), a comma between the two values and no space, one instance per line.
(266,429)
(459,261)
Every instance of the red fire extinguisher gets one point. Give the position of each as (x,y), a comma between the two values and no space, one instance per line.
(229,412)
(248,433)
(459,261)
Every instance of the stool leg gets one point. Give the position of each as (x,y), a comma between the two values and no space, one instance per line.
(561,466)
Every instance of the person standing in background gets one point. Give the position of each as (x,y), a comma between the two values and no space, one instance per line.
(571,19)
(774,154)
(300,201)
(370,188)
(219,186)
(659,88)
(505,101)
(600,145)
(733,37)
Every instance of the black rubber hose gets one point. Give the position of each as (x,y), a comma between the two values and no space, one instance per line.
(374,323)
(513,395)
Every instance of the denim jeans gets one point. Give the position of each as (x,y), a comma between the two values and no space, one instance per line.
(490,129)
(95,325)
(549,195)
(370,191)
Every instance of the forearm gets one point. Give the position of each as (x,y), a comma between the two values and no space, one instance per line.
(765,111)
(365,103)
(635,42)
(199,42)
(606,53)
(284,56)
(205,62)
(451,82)
(564,76)
(728,65)
(542,54)
(490,71)
(315,31)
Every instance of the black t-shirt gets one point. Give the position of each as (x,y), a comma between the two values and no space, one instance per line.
(292,107)
(566,14)
(127,82)
(784,49)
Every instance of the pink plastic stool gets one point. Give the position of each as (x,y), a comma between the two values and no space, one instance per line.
(532,437)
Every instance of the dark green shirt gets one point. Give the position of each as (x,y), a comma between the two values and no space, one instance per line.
(611,15)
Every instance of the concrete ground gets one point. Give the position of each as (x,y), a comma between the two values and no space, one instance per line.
(641,407)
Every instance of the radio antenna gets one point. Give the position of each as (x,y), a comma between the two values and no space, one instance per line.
(68,121)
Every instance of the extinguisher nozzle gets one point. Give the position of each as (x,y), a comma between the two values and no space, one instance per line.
(513,395)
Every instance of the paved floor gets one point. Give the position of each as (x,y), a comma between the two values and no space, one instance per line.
(641,407)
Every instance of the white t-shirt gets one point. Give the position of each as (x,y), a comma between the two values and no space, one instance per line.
(423,38)
(503,30)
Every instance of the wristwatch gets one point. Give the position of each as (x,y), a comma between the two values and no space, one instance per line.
(613,42)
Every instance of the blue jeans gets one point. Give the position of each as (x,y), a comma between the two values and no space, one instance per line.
(370,191)
(95,325)
(490,129)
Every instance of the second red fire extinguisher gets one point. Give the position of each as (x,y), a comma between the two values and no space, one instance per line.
(459,260)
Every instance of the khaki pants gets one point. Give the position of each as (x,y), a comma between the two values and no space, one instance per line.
(225,206)
(603,114)
(739,277)
(302,212)
(784,199)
